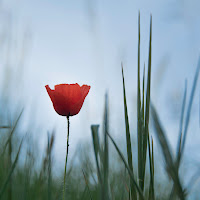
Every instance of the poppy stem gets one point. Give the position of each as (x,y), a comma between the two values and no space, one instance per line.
(66,157)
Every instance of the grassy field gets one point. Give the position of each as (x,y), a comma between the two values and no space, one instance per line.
(95,177)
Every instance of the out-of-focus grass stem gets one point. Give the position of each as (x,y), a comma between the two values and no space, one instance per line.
(10,164)
(127,167)
(151,187)
(187,120)
(106,150)
(139,128)
(128,140)
(87,186)
(49,153)
(2,190)
(148,92)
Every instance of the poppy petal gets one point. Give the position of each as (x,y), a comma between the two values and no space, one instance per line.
(84,90)
(68,99)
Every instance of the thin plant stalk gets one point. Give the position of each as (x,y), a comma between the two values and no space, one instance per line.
(128,141)
(139,133)
(10,164)
(106,156)
(66,157)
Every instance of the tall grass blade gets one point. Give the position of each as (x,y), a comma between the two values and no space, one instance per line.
(151,188)
(142,133)
(127,167)
(181,141)
(128,140)
(2,190)
(139,123)
(105,161)
(49,167)
(49,154)
(171,169)
(95,140)
(189,108)
(181,126)
(146,128)
(152,156)
(10,165)
(143,90)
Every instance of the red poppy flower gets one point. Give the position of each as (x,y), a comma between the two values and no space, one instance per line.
(68,99)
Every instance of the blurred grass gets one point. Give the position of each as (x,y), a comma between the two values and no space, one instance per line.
(96,176)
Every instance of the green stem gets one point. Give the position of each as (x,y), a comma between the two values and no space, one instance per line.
(66,157)
(10,165)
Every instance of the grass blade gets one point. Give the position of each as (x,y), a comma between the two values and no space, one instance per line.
(95,140)
(128,140)
(49,154)
(10,172)
(127,167)
(148,92)
(10,165)
(181,126)
(11,132)
(152,156)
(171,169)
(143,89)
(189,108)
(151,188)
(105,162)
(49,167)
(180,138)
(139,123)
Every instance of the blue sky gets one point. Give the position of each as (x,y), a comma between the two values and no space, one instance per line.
(85,42)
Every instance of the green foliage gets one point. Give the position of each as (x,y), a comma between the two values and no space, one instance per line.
(97,179)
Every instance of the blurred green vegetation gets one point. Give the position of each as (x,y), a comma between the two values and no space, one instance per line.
(96,176)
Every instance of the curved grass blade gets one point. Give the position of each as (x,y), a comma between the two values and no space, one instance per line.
(12,131)
(10,172)
(181,126)
(128,140)
(190,107)
(171,169)
(127,167)
(178,151)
